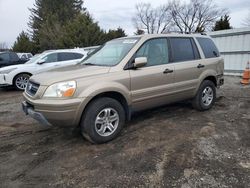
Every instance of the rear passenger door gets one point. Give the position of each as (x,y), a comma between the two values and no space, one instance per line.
(211,54)
(188,65)
(152,84)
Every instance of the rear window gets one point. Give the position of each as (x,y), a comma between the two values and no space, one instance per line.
(183,49)
(208,47)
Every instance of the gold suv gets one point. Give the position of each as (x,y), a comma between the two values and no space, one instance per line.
(124,76)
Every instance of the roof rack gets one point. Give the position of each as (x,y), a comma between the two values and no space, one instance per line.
(201,33)
(178,32)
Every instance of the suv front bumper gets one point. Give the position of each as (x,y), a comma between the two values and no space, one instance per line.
(29,110)
(3,80)
(65,112)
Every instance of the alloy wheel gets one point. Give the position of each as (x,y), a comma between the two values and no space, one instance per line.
(107,122)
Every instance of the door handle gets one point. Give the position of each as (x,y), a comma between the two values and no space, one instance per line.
(166,71)
(200,66)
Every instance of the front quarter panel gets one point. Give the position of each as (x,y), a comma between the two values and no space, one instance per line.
(25,68)
(115,81)
(112,82)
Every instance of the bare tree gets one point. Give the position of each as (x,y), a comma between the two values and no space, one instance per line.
(151,20)
(195,16)
(246,21)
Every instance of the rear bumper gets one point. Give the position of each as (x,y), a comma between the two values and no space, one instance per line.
(220,80)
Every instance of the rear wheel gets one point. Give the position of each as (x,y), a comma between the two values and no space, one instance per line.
(20,81)
(205,96)
(103,120)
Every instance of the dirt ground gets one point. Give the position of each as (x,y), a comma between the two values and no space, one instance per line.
(172,146)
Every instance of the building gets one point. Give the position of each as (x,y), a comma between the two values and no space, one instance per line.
(234,46)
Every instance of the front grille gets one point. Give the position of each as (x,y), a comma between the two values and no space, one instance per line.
(32,88)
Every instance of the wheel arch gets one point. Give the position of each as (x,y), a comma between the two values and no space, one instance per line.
(212,79)
(19,74)
(111,94)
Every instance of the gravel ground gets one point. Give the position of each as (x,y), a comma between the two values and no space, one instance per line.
(171,146)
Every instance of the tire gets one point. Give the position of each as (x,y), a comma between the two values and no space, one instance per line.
(20,81)
(103,120)
(205,96)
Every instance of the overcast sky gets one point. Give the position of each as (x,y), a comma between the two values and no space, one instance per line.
(14,14)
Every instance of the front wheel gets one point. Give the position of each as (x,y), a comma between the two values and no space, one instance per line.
(103,120)
(205,96)
(20,81)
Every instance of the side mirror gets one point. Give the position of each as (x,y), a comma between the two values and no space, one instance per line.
(140,62)
(41,62)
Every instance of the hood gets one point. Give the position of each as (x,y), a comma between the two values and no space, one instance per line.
(9,67)
(14,67)
(68,73)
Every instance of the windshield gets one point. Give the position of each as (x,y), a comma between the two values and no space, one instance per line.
(34,59)
(112,52)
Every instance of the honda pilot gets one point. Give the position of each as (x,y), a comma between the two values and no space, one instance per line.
(124,76)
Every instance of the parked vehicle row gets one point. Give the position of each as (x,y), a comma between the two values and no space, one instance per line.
(124,76)
(18,75)
(25,56)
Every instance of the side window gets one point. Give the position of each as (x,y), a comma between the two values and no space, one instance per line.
(4,57)
(66,56)
(78,56)
(156,51)
(208,47)
(183,49)
(50,58)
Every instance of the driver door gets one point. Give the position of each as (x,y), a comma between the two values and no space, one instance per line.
(153,84)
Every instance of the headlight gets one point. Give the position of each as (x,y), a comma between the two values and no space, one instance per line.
(7,71)
(63,89)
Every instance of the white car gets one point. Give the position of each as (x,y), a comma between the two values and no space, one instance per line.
(18,75)
(25,56)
